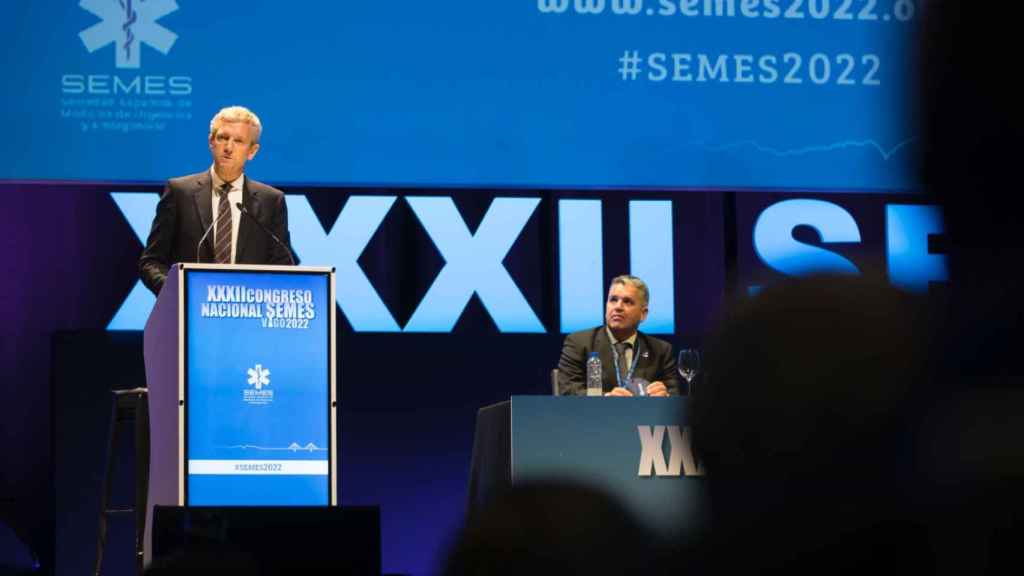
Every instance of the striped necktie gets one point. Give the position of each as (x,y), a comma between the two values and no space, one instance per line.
(620,350)
(222,241)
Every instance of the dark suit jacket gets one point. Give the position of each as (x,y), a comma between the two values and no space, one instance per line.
(184,214)
(656,361)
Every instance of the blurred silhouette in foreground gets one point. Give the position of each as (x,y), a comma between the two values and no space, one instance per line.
(804,426)
(973,124)
(554,528)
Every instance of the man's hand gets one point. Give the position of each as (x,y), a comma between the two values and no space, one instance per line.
(657,389)
(654,389)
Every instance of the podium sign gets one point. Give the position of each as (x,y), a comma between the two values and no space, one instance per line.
(257,388)
(241,369)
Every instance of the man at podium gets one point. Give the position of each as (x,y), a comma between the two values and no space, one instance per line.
(632,362)
(219,215)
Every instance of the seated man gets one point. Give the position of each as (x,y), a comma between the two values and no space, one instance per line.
(619,344)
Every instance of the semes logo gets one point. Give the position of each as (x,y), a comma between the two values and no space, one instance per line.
(128,24)
(258,378)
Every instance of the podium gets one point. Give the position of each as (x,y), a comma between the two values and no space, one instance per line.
(241,369)
(636,449)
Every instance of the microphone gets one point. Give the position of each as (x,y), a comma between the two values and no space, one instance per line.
(203,238)
(265,229)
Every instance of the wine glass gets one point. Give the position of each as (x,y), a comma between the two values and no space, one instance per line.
(689,366)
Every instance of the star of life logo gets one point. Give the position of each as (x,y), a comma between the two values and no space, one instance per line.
(259,377)
(128,24)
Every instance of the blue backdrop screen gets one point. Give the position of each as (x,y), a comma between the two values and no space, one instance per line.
(257,388)
(738,94)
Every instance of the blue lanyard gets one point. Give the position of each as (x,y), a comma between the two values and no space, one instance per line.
(629,375)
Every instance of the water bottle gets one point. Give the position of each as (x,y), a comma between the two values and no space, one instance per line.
(594,376)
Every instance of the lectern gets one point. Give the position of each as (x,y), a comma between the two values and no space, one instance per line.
(241,368)
(636,449)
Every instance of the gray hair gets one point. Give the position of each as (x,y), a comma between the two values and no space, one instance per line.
(237,114)
(640,285)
